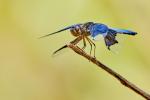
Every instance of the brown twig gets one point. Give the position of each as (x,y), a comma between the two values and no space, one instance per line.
(123,81)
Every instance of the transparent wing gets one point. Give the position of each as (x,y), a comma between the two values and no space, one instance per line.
(69,27)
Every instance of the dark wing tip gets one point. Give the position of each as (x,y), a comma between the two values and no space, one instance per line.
(131,33)
(135,33)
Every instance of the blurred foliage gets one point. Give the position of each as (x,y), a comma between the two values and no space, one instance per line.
(28,72)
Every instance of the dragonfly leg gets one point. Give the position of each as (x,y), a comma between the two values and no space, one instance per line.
(92,43)
(89,43)
(84,43)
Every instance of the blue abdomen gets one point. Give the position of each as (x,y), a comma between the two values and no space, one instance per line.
(123,31)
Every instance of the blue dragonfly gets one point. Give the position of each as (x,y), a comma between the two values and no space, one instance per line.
(92,29)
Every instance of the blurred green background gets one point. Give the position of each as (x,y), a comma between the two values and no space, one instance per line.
(29,72)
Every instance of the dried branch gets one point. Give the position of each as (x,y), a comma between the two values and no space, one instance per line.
(123,81)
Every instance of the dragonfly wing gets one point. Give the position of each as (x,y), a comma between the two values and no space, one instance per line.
(110,38)
(69,27)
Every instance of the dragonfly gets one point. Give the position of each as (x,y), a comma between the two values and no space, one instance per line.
(91,29)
